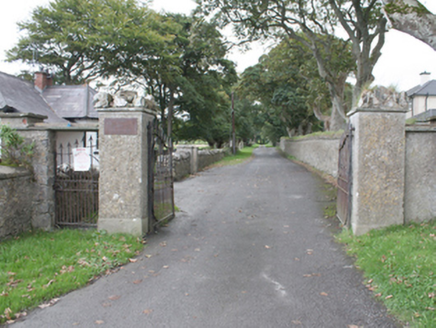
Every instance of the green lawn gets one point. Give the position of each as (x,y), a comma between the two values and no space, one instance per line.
(38,266)
(399,264)
(240,156)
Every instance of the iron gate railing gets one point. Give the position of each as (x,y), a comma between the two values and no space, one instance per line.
(76,188)
(160,176)
(345,171)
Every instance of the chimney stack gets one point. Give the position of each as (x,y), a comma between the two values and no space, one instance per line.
(43,80)
(425,77)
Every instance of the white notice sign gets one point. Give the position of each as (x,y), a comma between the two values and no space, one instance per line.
(82,160)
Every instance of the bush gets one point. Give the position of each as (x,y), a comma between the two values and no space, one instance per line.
(14,150)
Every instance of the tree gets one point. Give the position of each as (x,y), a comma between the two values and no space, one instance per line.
(412,18)
(205,80)
(83,39)
(287,84)
(318,20)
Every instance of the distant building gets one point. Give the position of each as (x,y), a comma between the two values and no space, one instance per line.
(423,98)
(68,107)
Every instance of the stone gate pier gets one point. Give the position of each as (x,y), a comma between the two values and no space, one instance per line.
(123,144)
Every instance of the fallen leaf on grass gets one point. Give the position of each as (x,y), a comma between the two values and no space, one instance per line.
(147,311)
(388,297)
(83,263)
(13,283)
(323,294)
(147,256)
(99,322)
(46,305)
(163,244)
(296,322)
(166,266)
(136,282)
(114,297)
(49,283)
(8,313)
(353,326)
(197,249)
(20,315)
(133,260)
(267,247)
(66,269)
(378,295)
(309,251)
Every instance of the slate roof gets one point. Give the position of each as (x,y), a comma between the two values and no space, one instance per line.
(17,95)
(428,88)
(71,101)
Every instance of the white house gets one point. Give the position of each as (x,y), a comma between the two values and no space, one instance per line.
(69,108)
(422,98)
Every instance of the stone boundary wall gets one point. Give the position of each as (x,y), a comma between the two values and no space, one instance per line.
(16,200)
(420,184)
(208,157)
(182,164)
(320,152)
(183,157)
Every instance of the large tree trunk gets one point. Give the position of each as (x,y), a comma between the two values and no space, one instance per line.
(411,17)
(337,122)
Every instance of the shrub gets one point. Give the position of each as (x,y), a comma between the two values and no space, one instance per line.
(14,150)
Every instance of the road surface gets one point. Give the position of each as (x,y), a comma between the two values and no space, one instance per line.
(250,248)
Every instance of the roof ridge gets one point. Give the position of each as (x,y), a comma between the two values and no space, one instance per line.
(419,88)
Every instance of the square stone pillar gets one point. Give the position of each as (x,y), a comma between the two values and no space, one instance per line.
(123,185)
(193,157)
(31,127)
(378,160)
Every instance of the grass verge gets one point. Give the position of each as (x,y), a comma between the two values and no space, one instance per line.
(400,265)
(241,156)
(37,266)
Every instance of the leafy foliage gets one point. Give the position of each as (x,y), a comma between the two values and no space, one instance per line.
(14,150)
(314,24)
(203,83)
(83,39)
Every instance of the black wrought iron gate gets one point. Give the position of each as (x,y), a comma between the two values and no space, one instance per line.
(345,171)
(160,176)
(76,185)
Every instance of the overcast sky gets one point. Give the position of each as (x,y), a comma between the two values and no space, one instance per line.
(403,56)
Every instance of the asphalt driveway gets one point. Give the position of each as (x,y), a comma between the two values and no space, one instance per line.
(250,248)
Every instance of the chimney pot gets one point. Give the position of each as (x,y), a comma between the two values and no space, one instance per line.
(43,80)
(425,77)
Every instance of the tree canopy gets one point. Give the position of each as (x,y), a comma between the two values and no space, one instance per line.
(319,21)
(80,40)
(179,59)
